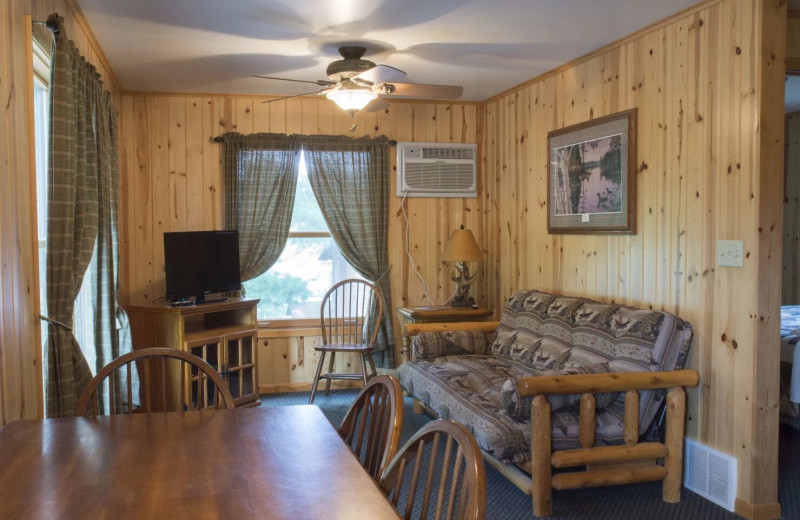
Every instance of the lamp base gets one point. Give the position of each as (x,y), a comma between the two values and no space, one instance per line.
(462,302)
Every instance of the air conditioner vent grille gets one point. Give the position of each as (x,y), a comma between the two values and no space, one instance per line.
(467,154)
(439,176)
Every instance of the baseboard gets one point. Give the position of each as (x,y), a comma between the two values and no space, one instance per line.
(279,388)
(769,511)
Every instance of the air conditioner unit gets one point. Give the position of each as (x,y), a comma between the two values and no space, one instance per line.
(436,170)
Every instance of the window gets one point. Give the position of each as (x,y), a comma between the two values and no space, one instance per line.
(309,265)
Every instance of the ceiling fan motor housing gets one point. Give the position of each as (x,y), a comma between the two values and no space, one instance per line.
(350,66)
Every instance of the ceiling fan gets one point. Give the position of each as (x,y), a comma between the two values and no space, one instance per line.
(354,83)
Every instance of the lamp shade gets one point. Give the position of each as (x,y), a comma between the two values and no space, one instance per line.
(462,247)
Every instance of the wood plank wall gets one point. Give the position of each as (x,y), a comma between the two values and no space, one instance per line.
(170,180)
(790,293)
(701,83)
(20,357)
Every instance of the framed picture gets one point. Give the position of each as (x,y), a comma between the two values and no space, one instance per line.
(591,180)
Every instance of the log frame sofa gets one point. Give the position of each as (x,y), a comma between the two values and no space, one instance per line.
(629,461)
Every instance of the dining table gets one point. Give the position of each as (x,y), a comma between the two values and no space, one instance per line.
(285,462)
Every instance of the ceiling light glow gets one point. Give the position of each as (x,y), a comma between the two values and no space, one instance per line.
(351,99)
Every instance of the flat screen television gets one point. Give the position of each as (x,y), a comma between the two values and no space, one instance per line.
(198,263)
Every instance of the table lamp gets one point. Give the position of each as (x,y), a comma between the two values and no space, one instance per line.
(462,248)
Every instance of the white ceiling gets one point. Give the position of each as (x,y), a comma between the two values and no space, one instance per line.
(486,46)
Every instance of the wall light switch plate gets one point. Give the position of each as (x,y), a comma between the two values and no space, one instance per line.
(730,253)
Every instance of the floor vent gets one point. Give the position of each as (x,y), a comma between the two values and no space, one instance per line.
(710,473)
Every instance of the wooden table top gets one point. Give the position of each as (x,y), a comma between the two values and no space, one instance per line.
(443,312)
(267,462)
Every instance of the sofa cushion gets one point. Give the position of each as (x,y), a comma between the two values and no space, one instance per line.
(431,345)
(538,353)
(466,389)
(519,406)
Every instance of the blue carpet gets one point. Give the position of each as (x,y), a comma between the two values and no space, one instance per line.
(630,502)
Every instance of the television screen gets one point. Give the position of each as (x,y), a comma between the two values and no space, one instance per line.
(201,262)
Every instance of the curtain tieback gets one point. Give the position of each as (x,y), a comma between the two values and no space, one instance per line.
(55,322)
(381,276)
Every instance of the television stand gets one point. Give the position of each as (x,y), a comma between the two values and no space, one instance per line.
(224,334)
(200,300)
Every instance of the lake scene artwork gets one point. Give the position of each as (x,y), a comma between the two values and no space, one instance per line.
(587,177)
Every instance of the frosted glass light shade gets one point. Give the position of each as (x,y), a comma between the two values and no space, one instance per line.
(350,99)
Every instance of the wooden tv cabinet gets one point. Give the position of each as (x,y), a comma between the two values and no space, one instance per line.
(222,333)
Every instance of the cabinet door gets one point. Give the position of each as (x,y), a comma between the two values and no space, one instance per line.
(209,350)
(240,366)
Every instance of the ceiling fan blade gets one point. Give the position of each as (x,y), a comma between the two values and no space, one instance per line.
(426,91)
(290,97)
(320,82)
(380,74)
(376,104)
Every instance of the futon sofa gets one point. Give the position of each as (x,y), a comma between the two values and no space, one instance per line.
(580,377)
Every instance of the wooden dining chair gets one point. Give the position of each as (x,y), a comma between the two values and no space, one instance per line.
(371,427)
(350,316)
(447,475)
(204,387)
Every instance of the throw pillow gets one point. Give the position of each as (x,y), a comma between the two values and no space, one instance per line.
(431,345)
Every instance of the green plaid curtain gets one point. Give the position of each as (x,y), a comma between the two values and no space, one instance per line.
(350,179)
(82,221)
(260,175)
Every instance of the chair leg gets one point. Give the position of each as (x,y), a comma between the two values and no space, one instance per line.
(316,378)
(371,364)
(363,357)
(330,371)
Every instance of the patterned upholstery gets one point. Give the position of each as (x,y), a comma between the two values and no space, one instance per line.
(432,345)
(544,333)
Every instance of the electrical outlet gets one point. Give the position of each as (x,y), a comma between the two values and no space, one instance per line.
(730,253)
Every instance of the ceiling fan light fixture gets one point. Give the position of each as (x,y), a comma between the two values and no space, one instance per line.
(351,99)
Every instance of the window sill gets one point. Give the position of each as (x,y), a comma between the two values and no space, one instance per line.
(288,328)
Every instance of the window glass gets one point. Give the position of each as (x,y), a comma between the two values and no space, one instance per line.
(309,265)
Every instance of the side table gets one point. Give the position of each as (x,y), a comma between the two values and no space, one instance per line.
(441,314)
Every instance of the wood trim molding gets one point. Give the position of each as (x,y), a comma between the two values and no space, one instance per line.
(279,388)
(792,66)
(73,6)
(308,96)
(771,511)
(33,214)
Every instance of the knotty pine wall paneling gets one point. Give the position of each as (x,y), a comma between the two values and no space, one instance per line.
(710,132)
(171,181)
(20,352)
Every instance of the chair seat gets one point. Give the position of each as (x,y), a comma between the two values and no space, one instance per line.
(350,347)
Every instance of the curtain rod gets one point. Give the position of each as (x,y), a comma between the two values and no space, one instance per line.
(220,139)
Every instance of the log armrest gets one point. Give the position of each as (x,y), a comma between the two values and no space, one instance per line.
(412,329)
(606,465)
